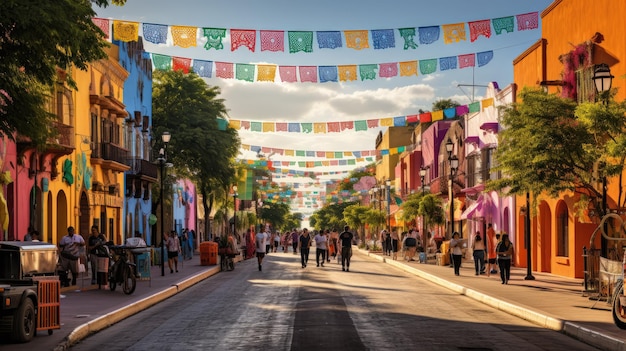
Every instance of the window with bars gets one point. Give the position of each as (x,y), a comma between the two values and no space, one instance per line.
(474,170)
(489,162)
(562,231)
(585,88)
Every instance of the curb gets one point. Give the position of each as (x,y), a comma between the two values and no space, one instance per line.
(586,335)
(105,321)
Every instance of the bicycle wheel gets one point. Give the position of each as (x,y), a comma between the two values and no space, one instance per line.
(130,281)
(231,264)
(619,310)
(112,282)
(223,264)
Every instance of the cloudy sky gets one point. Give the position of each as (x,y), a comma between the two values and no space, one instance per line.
(344,101)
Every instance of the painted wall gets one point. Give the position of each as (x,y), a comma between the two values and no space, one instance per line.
(566,24)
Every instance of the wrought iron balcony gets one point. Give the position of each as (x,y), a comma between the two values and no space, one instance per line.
(109,152)
(139,167)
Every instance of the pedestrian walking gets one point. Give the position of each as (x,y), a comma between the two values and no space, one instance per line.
(505,254)
(334,240)
(295,237)
(304,244)
(388,247)
(70,246)
(276,241)
(268,242)
(478,251)
(320,248)
(410,243)
(456,245)
(261,240)
(346,248)
(394,244)
(492,257)
(173,250)
(327,235)
(95,240)
(383,241)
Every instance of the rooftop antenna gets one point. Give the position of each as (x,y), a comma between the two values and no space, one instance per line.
(473,85)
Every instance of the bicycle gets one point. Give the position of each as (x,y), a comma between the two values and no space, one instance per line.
(122,271)
(227,262)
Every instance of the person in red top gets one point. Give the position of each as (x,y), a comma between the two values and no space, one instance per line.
(491,250)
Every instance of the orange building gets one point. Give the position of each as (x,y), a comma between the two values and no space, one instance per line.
(577,35)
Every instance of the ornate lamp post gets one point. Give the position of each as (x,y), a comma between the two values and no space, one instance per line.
(235,209)
(454,165)
(165,137)
(603,80)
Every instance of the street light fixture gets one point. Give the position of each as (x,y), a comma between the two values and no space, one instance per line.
(235,209)
(165,137)
(422,178)
(602,79)
(454,165)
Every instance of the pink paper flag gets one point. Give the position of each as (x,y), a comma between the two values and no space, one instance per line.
(272,40)
(287,74)
(224,69)
(308,74)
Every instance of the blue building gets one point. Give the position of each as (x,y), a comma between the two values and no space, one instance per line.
(143,173)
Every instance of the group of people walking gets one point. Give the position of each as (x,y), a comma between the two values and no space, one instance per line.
(327,244)
(495,251)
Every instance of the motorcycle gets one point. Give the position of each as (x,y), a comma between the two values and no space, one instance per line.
(122,271)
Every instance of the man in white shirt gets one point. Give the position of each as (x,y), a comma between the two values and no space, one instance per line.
(261,240)
(320,247)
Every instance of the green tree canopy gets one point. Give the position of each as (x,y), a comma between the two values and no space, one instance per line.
(36,38)
(330,216)
(293,220)
(274,213)
(356,216)
(444,104)
(428,206)
(185,106)
(549,144)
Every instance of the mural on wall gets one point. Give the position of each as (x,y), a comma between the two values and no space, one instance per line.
(184,204)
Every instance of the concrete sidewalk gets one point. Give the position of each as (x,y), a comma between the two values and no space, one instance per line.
(550,301)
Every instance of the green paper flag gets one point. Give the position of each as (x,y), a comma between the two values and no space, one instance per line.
(368,71)
(245,72)
(300,41)
(408,34)
(214,38)
(162,62)
(300,153)
(360,125)
(256,126)
(474,107)
(307,127)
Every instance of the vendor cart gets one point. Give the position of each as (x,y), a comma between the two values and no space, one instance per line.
(29,290)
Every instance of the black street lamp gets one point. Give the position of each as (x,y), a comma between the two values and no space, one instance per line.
(422,178)
(454,165)
(388,183)
(603,80)
(165,137)
(235,209)
(529,263)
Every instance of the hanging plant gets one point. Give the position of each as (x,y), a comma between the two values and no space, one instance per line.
(574,60)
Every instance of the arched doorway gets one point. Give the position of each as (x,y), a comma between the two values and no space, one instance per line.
(84,221)
(544,239)
(48,235)
(61,215)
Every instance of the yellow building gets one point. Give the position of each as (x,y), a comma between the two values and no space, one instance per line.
(85,186)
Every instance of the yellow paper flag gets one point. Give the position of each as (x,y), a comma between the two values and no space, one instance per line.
(357,39)
(235,124)
(347,73)
(319,127)
(266,73)
(184,36)
(268,127)
(408,68)
(437,115)
(487,102)
(125,31)
(386,122)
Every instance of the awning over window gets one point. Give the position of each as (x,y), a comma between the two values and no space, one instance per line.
(474,211)
(490,126)
(472,140)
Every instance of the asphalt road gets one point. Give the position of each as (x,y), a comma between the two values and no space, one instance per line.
(286,307)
